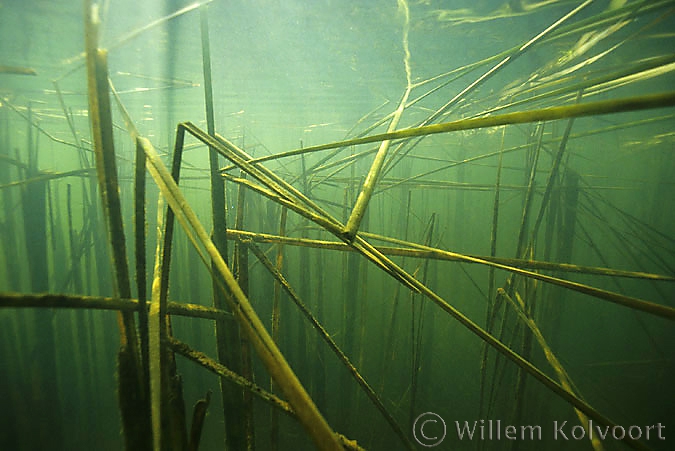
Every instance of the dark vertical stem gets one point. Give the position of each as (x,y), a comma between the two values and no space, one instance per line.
(227,334)
(362,383)
(522,251)
(141,267)
(198,417)
(18,431)
(55,233)
(521,382)
(553,176)
(241,273)
(532,155)
(460,213)
(170,61)
(10,249)
(274,429)
(78,326)
(97,228)
(305,273)
(350,318)
(173,428)
(391,337)
(549,203)
(418,339)
(363,295)
(490,311)
(570,199)
(74,252)
(320,371)
(43,368)
(106,167)
(133,400)
(166,393)
(35,219)
(529,195)
(206,66)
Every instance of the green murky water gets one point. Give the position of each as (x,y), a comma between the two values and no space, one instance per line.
(482,283)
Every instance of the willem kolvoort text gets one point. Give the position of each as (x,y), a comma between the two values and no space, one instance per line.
(559,430)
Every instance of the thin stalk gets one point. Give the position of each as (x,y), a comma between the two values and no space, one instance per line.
(417,338)
(440,254)
(41,177)
(370,182)
(16,70)
(391,337)
(366,193)
(626,104)
(656,309)
(279,186)
(139,246)
(72,301)
(198,418)
(241,273)
(563,376)
(101,125)
(377,258)
(350,311)
(399,274)
(156,334)
(43,366)
(503,349)
(133,405)
(218,368)
(331,343)
(6,102)
(320,387)
(553,175)
(228,338)
(490,311)
(529,194)
(274,430)
(305,273)
(280,405)
(74,254)
(71,125)
(8,247)
(132,35)
(173,428)
(309,416)
(584,83)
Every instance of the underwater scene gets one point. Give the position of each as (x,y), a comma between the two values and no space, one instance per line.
(359,225)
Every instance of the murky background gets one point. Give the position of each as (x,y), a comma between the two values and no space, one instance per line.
(291,74)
